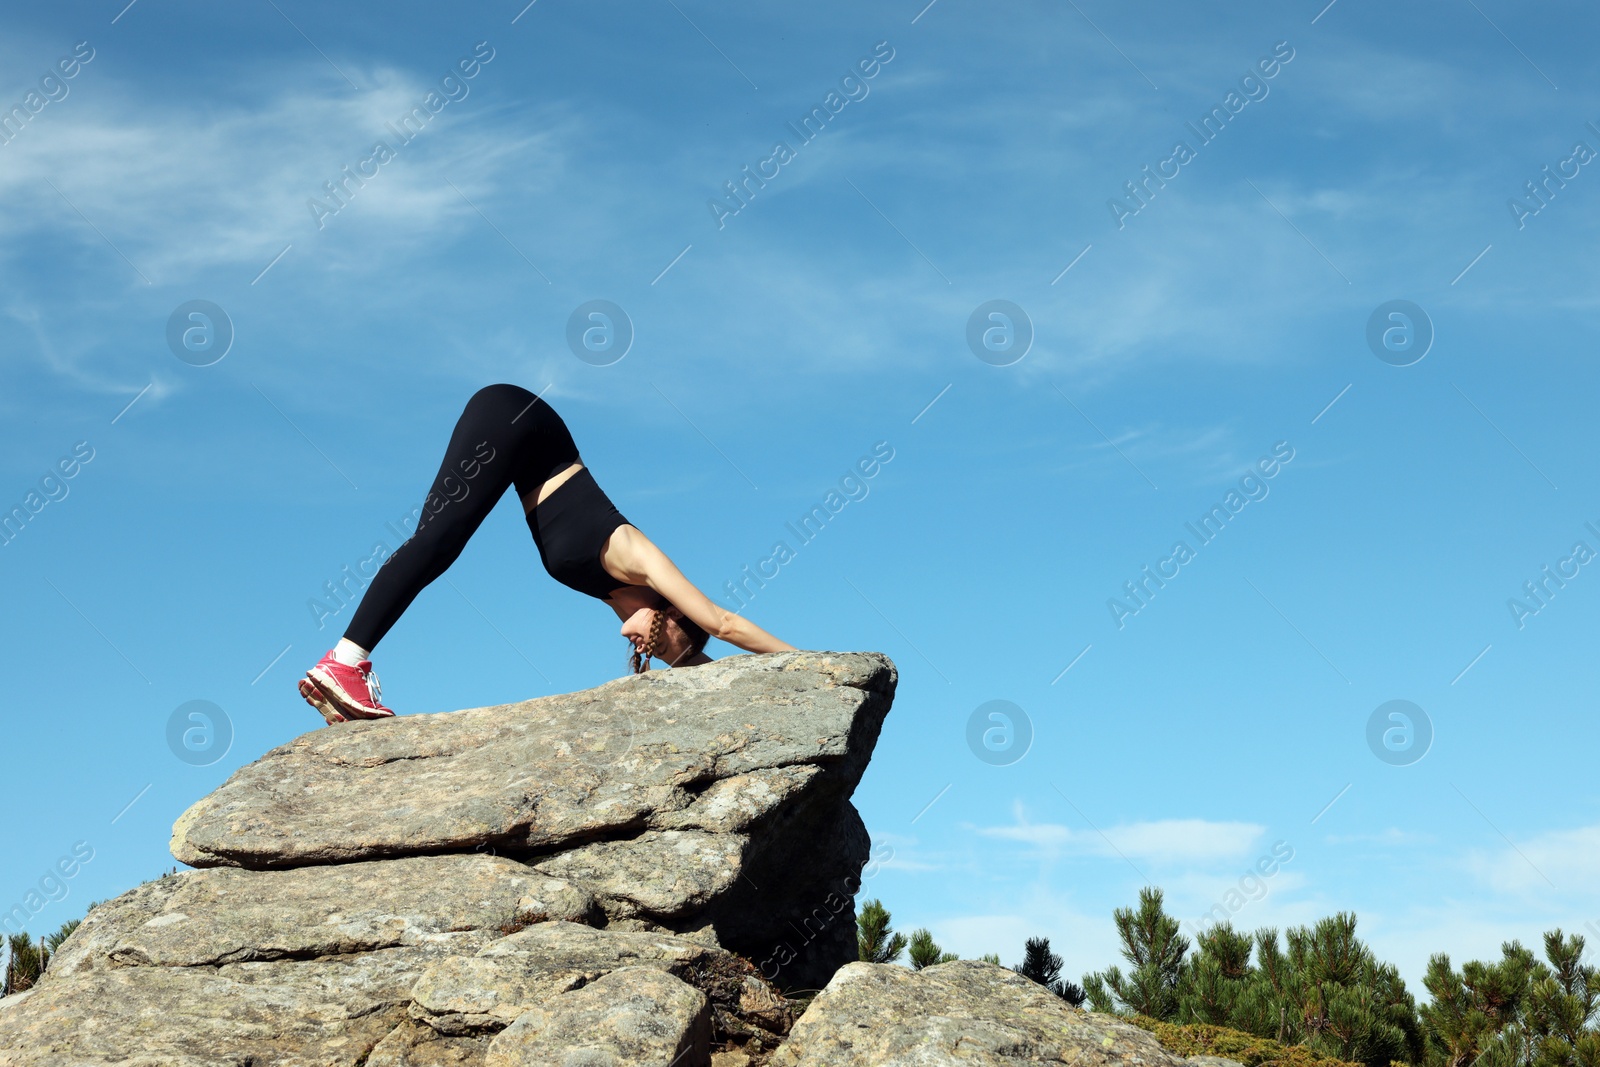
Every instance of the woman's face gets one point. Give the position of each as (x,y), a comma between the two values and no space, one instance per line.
(672,644)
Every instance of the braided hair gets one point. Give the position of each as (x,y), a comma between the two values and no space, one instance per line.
(639,660)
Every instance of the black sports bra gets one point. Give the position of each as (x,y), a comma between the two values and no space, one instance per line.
(570,527)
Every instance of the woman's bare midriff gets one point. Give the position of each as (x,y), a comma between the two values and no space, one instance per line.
(548,486)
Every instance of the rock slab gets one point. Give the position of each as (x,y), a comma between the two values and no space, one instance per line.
(967,1013)
(635,1017)
(715,748)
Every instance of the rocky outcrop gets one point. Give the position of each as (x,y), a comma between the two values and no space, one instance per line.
(586,875)
(711,801)
(607,878)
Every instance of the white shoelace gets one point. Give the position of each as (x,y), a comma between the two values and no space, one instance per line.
(374,689)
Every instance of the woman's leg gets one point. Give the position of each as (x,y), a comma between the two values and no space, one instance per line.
(505,434)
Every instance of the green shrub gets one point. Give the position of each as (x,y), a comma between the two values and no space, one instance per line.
(1206,1039)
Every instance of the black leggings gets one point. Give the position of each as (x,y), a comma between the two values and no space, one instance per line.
(505,436)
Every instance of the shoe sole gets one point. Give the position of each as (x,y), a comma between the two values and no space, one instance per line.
(330,691)
(316,699)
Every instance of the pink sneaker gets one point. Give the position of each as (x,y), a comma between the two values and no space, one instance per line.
(341,692)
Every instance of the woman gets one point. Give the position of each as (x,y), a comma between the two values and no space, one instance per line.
(508,436)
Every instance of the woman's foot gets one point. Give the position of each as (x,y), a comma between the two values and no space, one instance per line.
(341,692)
(324,706)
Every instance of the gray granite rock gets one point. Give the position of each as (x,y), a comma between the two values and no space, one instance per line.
(724,813)
(367,890)
(488,991)
(962,1014)
(546,774)
(414,1044)
(635,1017)
(289,1013)
(661,874)
(228,915)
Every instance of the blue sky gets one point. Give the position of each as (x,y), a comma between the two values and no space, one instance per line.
(1174,348)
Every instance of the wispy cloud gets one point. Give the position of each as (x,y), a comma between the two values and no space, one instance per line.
(1569,859)
(1163,841)
(187,186)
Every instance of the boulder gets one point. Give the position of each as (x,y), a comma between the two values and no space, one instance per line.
(635,1017)
(710,801)
(715,748)
(967,1013)
(228,915)
(491,989)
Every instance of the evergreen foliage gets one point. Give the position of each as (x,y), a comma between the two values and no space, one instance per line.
(1321,988)
(1044,967)
(1517,1012)
(876,940)
(922,951)
(1154,951)
(26,959)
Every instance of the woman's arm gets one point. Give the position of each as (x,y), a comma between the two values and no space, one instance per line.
(645,564)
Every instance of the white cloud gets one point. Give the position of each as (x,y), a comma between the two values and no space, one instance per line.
(1193,840)
(1568,860)
(1162,841)
(183,187)
(1040,835)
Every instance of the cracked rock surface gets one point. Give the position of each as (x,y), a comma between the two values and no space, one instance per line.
(634,1017)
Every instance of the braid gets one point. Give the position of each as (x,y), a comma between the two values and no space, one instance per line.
(657,620)
(639,662)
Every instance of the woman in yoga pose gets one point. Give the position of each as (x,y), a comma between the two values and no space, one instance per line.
(508,436)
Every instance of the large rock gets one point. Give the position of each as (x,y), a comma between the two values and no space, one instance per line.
(963,1014)
(227,915)
(711,801)
(491,989)
(714,748)
(404,893)
(635,1017)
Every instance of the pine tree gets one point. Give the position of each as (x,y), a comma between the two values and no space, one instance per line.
(1154,950)
(1327,991)
(26,962)
(1213,984)
(1044,967)
(923,952)
(1563,1004)
(1518,1012)
(1099,997)
(1477,1014)
(876,941)
(27,959)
